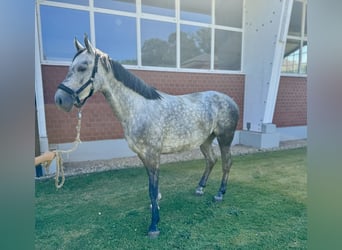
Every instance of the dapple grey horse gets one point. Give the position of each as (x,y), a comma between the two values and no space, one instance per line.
(154,122)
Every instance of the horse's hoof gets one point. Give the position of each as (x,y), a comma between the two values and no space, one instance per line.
(218,197)
(199,191)
(153,234)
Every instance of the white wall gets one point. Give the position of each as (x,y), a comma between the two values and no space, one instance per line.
(108,149)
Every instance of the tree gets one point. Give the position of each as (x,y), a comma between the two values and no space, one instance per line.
(203,39)
(158,52)
(188,46)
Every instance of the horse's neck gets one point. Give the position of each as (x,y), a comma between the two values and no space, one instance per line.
(123,101)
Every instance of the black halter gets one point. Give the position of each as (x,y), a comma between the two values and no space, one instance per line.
(75,94)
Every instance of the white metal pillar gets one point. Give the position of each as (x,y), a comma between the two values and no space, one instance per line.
(266,26)
(43,139)
(279,49)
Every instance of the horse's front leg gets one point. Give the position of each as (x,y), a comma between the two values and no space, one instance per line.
(153,174)
(150,156)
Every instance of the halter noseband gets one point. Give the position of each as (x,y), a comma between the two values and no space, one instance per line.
(75,94)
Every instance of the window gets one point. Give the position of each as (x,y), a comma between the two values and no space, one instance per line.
(291,59)
(116,35)
(80,2)
(227,43)
(57,40)
(176,34)
(198,12)
(295,26)
(229,13)
(195,47)
(295,55)
(158,48)
(123,5)
(164,8)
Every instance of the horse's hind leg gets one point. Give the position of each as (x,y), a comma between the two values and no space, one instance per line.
(208,152)
(225,145)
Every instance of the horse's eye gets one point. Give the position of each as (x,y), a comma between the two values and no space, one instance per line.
(81,68)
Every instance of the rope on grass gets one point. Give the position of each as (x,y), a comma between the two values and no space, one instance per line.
(60,178)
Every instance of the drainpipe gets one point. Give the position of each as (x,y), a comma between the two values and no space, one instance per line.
(43,139)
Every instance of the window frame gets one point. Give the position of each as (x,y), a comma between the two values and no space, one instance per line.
(139,15)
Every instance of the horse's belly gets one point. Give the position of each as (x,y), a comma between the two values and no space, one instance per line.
(174,144)
(169,149)
(187,130)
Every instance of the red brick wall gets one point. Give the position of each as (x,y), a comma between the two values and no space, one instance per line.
(291,105)
(98,121)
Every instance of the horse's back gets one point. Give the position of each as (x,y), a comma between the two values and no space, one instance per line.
(212,103)
(188,120)
(219,105)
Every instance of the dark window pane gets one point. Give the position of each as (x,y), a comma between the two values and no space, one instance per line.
(195,47)
(306,23)
(199,11)
(227,50)
(296,19)
(158,43)
(228,13)
(123,5)
(59,26)
(164,8)
(117,36)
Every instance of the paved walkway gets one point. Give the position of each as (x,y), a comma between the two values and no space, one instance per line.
(75,168)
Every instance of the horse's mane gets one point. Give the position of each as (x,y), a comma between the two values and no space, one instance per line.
(132,82)
(127,78)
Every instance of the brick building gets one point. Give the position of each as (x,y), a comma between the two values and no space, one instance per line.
(254,51)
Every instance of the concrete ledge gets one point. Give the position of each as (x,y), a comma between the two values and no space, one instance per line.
(268,138)
(292,133)
(84,167)
(95,150)
(118,148)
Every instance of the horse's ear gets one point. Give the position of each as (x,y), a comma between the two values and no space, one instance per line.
(78,45)
(88,45)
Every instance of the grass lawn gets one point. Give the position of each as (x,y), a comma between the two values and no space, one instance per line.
(265,207)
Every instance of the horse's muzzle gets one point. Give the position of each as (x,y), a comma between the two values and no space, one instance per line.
(64,101)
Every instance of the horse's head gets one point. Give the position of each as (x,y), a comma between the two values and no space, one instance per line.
(82,79)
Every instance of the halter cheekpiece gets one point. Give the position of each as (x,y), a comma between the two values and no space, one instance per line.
(75,94)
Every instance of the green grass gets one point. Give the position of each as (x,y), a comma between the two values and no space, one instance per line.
(264,207)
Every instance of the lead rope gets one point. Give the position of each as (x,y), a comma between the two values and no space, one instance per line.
(60,178)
